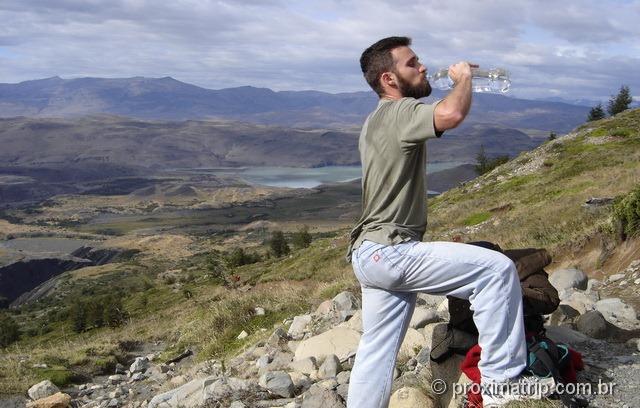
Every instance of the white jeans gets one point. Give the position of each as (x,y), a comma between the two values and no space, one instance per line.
(390,277)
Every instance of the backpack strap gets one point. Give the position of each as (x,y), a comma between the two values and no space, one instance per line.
(546,358)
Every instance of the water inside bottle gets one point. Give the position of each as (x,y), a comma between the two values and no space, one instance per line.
(481,80)
(500,80)
(440,79)
(495,80)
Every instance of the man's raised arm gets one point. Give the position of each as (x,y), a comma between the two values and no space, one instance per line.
(452,110)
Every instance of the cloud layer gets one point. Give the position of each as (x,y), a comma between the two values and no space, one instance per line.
(573,49)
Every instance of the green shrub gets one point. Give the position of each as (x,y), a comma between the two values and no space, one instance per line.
(626,211)
(278,244)
(9,330)
(239,257)
(485,164)
(301,238)
(103,311)
(58,376)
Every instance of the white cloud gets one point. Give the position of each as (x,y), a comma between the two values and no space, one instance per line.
(573,49)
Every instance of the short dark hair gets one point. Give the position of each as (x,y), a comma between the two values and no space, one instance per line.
(377,59)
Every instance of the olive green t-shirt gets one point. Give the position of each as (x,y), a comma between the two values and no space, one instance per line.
(394,157)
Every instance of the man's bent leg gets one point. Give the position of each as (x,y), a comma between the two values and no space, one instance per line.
(385,318)
(488,279)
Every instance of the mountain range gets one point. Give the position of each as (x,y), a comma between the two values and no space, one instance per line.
(169,99)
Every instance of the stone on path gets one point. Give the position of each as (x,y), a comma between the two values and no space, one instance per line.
(191,395)
(423,316)
(342,342)
(581,301)
(298,327)
(592,324)
(278,383)
(139,365)
(409,397)
(568,278)
(319,397)
(42,389)
(57,400)
(563,314)
(412,344)
(329,368)
(305,366)
(561,334)
(615,310)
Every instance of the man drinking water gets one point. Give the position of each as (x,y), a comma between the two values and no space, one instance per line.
(389,258)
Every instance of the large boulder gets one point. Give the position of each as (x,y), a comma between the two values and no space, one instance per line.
(42,390)
(341,341)
(196,393)
(563,314)
(430,301)
(411,345)
(305,366)
(320,397)
(139,365)
(301,382)
(448,374)
(57,400)
(562,334)
(355,322)
(410,397)
(346,304)
(592,324)
(581,301)
(346,301)
(615,311)
(278,383)
(299,326)
(568,278)
(329,368)
(423,316)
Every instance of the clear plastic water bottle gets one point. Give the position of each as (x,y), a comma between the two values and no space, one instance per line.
(482,80)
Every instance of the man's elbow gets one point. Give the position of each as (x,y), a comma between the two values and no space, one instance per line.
(445,120)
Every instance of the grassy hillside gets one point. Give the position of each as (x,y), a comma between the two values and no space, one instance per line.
(180,293)
(538,199)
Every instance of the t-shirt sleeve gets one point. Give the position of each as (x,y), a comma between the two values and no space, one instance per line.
(415,122)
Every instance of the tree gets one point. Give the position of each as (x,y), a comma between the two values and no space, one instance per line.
(620,102)
(278,244)
(481,161)
(78,316)
(552,136)
(95,314)
(113,314)
(596,113)
(9,330)
(484,164)
(301,238)
(239,257)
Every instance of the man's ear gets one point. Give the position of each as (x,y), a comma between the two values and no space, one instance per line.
(389,79)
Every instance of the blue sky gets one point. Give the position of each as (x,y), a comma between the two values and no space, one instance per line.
(572,49)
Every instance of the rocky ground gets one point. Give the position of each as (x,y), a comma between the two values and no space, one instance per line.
(305,362)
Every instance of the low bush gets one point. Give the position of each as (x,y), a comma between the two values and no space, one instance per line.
(626,211)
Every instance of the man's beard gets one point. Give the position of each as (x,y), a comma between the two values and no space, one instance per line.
(421,90)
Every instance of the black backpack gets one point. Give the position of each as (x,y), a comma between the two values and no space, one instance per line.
(546,358)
